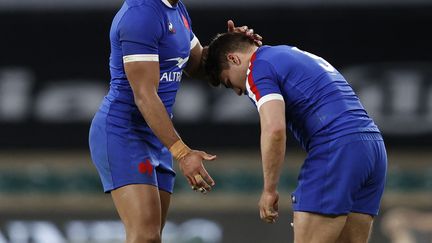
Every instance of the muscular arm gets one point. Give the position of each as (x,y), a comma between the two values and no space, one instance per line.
(144,80)
(194,67)
(273,142)
(273,138)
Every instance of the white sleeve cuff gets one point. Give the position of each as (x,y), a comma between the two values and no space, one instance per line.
(141,58)
(194,42)
(267,98)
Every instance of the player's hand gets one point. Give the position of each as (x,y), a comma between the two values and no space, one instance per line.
(193,169)
(268,206)
(245,30)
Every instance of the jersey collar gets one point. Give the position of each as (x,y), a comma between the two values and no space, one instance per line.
(168,4)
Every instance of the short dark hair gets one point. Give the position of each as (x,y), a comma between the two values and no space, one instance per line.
(219,47)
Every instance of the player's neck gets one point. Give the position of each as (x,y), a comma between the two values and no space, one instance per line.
(173,2)
(251,51)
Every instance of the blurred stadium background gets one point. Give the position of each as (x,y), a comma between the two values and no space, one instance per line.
(54,72)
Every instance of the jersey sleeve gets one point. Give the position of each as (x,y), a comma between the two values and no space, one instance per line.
(194,40)
(262,83)
(139,32)
(188,23)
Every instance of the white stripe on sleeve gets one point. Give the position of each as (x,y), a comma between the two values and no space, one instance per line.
(141,58)
(267,98)
(194,42)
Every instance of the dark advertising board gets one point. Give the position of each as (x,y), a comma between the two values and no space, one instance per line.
(54,70)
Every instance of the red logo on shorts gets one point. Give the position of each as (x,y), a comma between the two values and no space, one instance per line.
(145,167)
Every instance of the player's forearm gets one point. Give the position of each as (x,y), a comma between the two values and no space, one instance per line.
(156,116)
(195,66)
(273,154)
(199,72)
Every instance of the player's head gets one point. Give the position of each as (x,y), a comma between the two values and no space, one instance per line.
(228,60)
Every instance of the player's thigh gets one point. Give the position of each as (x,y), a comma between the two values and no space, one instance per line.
(357,228)
(165,199)
(317,228)
(139,207)
(165,179)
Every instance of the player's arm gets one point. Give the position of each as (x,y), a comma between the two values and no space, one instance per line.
(273,142)
(139,31)
(143,77)
(194,67)
(144,80)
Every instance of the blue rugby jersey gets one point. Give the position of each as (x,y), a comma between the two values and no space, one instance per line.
(320,105)
(147,30)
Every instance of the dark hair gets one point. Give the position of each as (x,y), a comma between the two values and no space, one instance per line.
(218,49)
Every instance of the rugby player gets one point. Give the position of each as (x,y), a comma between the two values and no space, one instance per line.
(132,139)
(341,181)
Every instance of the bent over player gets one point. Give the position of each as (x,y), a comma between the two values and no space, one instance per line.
(341,181)
(132,139)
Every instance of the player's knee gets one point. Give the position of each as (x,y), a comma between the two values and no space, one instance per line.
(144,236)
(153,237)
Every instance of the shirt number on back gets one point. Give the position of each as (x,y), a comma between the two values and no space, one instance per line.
(323,63)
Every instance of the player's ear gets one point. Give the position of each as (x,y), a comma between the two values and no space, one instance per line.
(232,58)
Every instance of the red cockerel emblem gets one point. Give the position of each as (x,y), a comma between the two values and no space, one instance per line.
(185,22)
(145,167)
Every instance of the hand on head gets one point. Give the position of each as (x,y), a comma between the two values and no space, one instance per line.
(244,29)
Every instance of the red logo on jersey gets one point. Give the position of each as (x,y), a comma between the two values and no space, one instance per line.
(145,167)
(185,22)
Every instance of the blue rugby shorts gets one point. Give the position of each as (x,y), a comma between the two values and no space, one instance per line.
(124,154)
(342,176)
